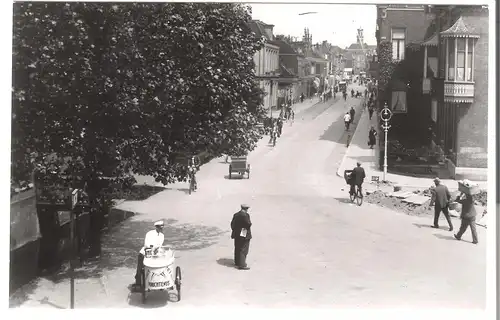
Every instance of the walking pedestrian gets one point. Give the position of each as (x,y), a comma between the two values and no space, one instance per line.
(440,199)
(372,134)
(352,113)
(468,217)
(280,127)
(347,121)
(370,111)
(241,233)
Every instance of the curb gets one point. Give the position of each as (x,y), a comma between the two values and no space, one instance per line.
(352,138)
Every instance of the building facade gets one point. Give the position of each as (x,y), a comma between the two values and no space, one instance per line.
(267,68)
(445,102)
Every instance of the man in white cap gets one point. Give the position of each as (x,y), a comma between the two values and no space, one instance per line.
(154,239)
(241,233)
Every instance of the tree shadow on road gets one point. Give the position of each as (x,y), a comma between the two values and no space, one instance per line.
(236,177)
(121,246)
(137,192)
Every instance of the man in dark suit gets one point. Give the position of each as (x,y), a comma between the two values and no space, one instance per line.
(468,216)
(440,198)
(241,233)
(357,177)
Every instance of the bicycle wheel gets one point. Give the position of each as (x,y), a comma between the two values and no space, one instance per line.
(352,196)
(359,197)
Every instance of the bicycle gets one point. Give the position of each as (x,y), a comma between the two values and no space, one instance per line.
(357,195)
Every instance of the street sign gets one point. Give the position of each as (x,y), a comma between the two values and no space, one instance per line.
(74,198)
(386,114)
(376,178)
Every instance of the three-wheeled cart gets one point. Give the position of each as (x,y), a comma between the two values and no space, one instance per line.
(160,272)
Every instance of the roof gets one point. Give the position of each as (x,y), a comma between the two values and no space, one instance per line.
(458,30)
(258,27)
(356,46)
(432,41)
(285,47)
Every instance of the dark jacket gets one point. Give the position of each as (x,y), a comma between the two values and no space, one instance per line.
(358,174)
(440,196)
(352,113)
(468,209)
(241,220)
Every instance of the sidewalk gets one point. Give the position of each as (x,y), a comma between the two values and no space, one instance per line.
(359,150)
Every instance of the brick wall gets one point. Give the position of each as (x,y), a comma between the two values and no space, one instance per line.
(473,118)
(415,22)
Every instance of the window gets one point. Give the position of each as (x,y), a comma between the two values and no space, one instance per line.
(460,59)
(469,59)
(451,59)
(398,44)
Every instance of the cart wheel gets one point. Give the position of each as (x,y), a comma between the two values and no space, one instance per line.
(229,171)
(143,286)
(248,171)
(178,279)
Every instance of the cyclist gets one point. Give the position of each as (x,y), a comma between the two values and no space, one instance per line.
(357,178)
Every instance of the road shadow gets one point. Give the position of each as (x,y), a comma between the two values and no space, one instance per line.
(154,299)
(344,200)
(121,245)
(444,237)
(420,226)
(226,262)
(236,176)
(185,190)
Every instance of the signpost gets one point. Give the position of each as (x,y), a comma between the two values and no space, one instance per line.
(74,200)
(385,115)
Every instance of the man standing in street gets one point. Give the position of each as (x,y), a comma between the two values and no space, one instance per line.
(440,198)
(468,216)
(241,233)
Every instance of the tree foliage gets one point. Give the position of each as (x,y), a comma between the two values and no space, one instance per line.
(104,90)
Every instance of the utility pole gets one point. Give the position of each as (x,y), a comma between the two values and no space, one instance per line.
(74,200)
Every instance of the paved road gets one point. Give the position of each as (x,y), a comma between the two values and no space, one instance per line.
(311,247)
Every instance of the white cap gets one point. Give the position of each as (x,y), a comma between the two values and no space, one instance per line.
(159,223)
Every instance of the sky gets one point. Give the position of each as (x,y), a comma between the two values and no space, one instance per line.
(335,23)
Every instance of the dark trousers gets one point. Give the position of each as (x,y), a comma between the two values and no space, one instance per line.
(241,246)
(437,212)
(140,266)
(466,222)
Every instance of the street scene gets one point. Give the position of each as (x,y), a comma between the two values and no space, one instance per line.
(315,194)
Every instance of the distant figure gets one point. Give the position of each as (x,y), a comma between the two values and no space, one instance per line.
(352,113)
(370,111)
(301,97)
(372,137)
(440,199)
(241,233)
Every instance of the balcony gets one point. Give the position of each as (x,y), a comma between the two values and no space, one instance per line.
(458,92)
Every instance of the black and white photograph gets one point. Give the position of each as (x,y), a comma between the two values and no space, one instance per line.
(169,155)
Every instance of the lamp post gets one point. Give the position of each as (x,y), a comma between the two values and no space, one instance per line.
(74,200)
(385,115)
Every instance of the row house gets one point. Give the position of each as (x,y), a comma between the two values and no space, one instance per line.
(267,68)
(439,90)
(359,55)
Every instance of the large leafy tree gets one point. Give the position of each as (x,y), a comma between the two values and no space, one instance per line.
(103,90)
